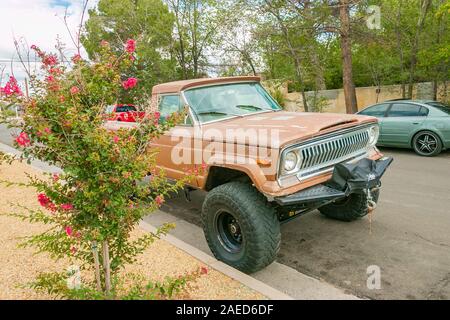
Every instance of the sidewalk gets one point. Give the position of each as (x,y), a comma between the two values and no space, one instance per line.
(278,276)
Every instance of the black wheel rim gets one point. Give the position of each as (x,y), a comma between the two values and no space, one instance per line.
(426,143)
(229,231)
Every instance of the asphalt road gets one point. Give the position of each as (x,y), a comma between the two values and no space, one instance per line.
(409,238)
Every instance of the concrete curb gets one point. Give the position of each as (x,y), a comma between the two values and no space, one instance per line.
(37,164)
(248,281)
(252,283)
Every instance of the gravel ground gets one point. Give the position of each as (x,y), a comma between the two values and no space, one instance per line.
(20,265)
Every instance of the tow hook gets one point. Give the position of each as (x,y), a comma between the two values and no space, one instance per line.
(371,205)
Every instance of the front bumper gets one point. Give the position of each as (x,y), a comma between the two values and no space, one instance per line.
(347,178)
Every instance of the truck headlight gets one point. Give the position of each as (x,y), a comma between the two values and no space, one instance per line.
(290,161)
(374,133)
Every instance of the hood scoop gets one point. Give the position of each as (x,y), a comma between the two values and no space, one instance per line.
(338,124)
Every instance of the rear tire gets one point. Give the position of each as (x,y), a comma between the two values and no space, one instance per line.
(350,208)
(427,144)
(241,229)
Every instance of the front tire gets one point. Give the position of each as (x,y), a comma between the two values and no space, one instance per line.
(350,208)
(427,144)
(241,229)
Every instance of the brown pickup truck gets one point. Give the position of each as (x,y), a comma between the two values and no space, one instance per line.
(265,166)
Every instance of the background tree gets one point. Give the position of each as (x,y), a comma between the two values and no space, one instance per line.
(314,45)
(196,24)
(148,21)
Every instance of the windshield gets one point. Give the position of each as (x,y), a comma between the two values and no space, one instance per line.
(229,100)
(443,107)
(125,108)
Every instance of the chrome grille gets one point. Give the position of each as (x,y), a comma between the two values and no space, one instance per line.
(321,155)
(342,147)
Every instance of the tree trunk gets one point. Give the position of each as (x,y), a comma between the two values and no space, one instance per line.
(438,69)
(107,267)
(97,266)
(298,72)
(346,50)
(246,57)
(425,5)
(319,78)
(400,49)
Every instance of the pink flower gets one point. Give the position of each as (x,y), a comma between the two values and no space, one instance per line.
(204,270)
(129,83)
(50,60)
(104,43)
(55,71)
(116,139)
(50,79)
(55,177)
(74,90)
(62,98)
(159,200)
(23,140)
(73,250)
(156,117)
(34,47)
(130,46)
(11,88)
(54,86)
(67,206)
(47,130)
(43,199)
(68,231)
(76,58)
(46,202)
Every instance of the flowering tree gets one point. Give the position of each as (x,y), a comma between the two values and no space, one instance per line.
(96,202)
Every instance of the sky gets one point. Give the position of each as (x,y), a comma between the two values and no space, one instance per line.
(37,22)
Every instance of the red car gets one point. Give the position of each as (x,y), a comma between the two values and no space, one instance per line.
(124,112)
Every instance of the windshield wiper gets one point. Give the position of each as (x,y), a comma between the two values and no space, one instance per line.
(245,106)
(219,112)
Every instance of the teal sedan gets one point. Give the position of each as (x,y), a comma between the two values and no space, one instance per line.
(418,124)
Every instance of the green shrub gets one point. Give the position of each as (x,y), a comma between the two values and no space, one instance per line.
(94,205)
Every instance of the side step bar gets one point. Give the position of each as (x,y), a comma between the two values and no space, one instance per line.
(317,193)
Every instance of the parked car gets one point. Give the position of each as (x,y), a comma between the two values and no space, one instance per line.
(124,112)
(421,125)
(302,162)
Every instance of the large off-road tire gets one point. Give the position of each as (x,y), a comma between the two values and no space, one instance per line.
(350,208)
(241,228)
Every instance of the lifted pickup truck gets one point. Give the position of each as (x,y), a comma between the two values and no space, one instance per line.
(264,166)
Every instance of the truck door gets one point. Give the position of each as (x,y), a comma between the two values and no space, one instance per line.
(175,146)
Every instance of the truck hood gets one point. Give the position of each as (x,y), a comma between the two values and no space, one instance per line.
(283,127)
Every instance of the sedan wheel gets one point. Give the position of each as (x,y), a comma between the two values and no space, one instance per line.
(427,144)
